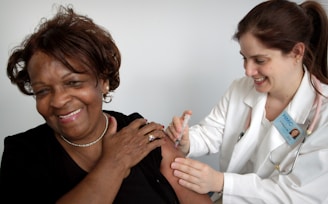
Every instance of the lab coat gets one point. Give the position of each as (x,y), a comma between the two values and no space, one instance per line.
(249,175)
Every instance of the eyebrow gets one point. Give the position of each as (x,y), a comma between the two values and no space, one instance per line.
(254,56)
(39,82)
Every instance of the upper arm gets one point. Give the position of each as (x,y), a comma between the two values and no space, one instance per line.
(169,153)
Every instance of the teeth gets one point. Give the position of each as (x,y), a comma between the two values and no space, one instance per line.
(72,113)
(259,79)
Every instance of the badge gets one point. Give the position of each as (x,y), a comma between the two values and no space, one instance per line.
(288,128)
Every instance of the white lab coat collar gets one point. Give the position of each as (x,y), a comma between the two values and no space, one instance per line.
(300,107)
(303,99)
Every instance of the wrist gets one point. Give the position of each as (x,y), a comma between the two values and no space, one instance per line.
(221,182)
(186,149)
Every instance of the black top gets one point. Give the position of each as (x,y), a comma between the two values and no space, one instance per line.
(36,169)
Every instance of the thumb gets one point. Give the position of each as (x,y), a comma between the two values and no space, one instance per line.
(186,112)
(112,128)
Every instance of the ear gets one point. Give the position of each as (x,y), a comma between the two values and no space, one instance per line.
(104,84)
(298,51)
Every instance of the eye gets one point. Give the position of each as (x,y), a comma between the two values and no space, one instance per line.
(41,92)
(259,61)
(74,83)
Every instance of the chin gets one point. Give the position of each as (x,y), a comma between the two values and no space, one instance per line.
(261,90)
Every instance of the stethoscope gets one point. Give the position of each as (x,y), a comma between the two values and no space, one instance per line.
(318,102)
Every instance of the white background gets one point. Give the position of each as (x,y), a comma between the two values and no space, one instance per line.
(176,55)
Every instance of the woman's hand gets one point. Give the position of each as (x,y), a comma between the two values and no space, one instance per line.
(131,144)
(174,131)
(120,151)
(197,176)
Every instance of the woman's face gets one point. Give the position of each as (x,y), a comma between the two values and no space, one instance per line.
(70,102)
(294,133)
(271,70)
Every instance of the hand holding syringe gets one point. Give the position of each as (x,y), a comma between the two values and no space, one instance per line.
(184,125)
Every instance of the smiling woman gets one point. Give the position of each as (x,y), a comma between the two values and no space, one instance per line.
(82,154)
(284,48)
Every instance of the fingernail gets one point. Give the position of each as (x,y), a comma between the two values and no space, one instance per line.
(172,165)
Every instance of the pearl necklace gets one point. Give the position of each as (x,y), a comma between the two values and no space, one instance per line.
(91,143)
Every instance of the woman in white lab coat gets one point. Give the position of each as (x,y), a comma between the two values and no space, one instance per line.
(284,46)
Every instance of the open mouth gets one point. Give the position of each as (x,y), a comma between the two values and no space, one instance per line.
(259,81)
(70,114)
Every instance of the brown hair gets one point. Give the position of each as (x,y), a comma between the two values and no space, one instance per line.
(68,36)
(281,24)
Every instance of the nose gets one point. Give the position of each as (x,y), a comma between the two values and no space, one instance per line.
(59,98)
(250,69)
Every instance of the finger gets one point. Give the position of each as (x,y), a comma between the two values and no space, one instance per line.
(151,137)
(189,181)
(177,125)
(160,134)
(112,128)
(192,186)
(138,123)
(185,175)
(170,130)
(154,144)
(151,127)
(174,128)
(183,171)
(190,163)
(186,112)
(155,135)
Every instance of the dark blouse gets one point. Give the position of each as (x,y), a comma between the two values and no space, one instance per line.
(36,169)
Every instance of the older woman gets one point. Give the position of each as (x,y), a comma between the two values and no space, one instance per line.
(82,154)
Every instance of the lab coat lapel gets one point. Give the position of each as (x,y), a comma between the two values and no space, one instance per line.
(245,147)
(299,109)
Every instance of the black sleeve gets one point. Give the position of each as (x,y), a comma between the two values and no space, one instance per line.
(24,175)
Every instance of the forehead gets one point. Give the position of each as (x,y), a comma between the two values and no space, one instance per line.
(41,64)
(250,46)
(43,67)
(41,59)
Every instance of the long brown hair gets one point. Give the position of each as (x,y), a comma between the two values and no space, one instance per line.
(280,24)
